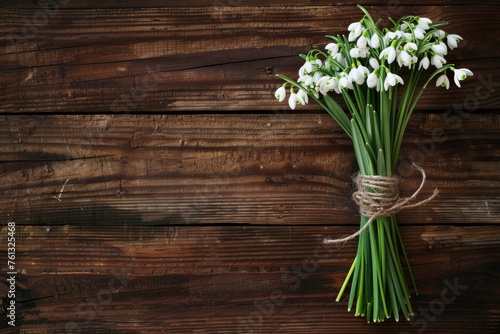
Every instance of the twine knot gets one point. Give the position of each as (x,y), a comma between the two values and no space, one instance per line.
(378,196)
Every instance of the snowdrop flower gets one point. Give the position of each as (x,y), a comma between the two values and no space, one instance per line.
(424,62)
(452,40)
(303,71)
(340,58)
(363,70)
(391,80)
(423,23)
(302,95)
(362,42)
(461,74)
(372,80)
(321,84)
(410,47)
(355,52)
(280,94)
(438,61)
(408,36)
(344,82)
(419,33)
(294,100)
(443,81)
(440,34)
(328,65)
(356,76)
(327,84)
(389,53)
(359,53)
(333,48)
(308,67)
(373,63)
(374,41)
(440,49)
(404,58)
(317,76)
(391,35)
(317,62)
(305,80)
(355,30)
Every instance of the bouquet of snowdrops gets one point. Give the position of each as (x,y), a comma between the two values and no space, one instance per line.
(367,68)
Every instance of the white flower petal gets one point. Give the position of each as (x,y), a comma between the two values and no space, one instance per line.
(438,61)
(389,53)
(440,48)
(419,33)
(371,80)
(461,74)
(452,40)
(443,81)
(423,23)
(280,94)
(374,63)
(332,48)
(374,41)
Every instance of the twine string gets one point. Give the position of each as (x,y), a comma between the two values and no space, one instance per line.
(378,196)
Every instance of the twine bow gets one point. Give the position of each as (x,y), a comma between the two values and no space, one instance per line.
(378,196)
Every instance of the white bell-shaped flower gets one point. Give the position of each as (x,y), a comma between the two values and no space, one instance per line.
(389,53)
(440,49)
(356,76)
(438,60)
(294,99)
(333,48)
(423,23)
(280,94)
(355,30)
(355,52)
(452,40)
(362,42)
(439,34)
(344,81)
(374,63)
(461,74)
(392,80)
(316,77)
(327,84)
(363,70)
(302,95)
(404,59)
(371,80)
(419,33)
(374,41)
(443,81)
(410,47)
(424,63)
(308,67)
(305,80)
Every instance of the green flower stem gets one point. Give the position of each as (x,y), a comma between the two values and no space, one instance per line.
(347,279)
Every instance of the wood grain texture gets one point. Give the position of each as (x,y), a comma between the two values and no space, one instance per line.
(158,187)
(197,57)
(119,279)
(91,4)
(265,169)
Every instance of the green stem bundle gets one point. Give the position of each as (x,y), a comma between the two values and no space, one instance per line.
(365,69)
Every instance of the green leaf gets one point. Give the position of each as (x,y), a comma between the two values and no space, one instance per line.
(338,114)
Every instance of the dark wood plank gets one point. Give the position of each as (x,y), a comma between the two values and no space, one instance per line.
(199,58)
(103,279)
(92,4)
(238,169)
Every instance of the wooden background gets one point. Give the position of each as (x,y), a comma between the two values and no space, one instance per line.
(158,187)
